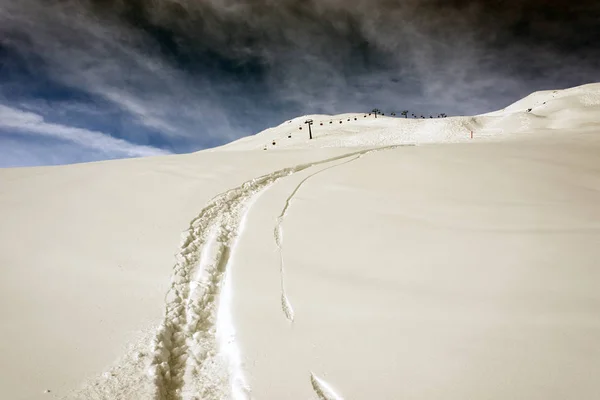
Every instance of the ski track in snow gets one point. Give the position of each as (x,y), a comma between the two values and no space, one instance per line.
(285,302)
(322,389)
(186,363)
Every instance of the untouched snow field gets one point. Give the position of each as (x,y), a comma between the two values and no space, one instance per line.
(362,264)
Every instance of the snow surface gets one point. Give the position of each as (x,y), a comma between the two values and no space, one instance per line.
(357,265)
(550,110)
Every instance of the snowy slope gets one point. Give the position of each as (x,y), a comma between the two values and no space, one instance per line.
(571,108)
(348,266)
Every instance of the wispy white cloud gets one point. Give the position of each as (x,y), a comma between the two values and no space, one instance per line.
(17,121)
(116,63)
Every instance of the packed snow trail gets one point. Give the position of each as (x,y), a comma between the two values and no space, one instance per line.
(185,362)
(285,302)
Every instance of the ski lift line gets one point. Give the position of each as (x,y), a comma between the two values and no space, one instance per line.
(321,123)
(391,114)
(365,115)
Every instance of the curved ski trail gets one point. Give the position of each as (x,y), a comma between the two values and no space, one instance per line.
(186,363)
(321,388)
(278,234)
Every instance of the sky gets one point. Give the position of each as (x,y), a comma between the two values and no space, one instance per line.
(88,80)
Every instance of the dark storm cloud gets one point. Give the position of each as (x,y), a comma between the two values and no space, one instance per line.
(326,51)
(204,71)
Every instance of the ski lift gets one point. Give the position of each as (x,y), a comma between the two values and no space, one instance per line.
(309,122)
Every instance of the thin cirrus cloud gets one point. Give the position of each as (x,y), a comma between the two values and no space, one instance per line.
(104,59)
(59,49)
(189,74)
(17,122)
